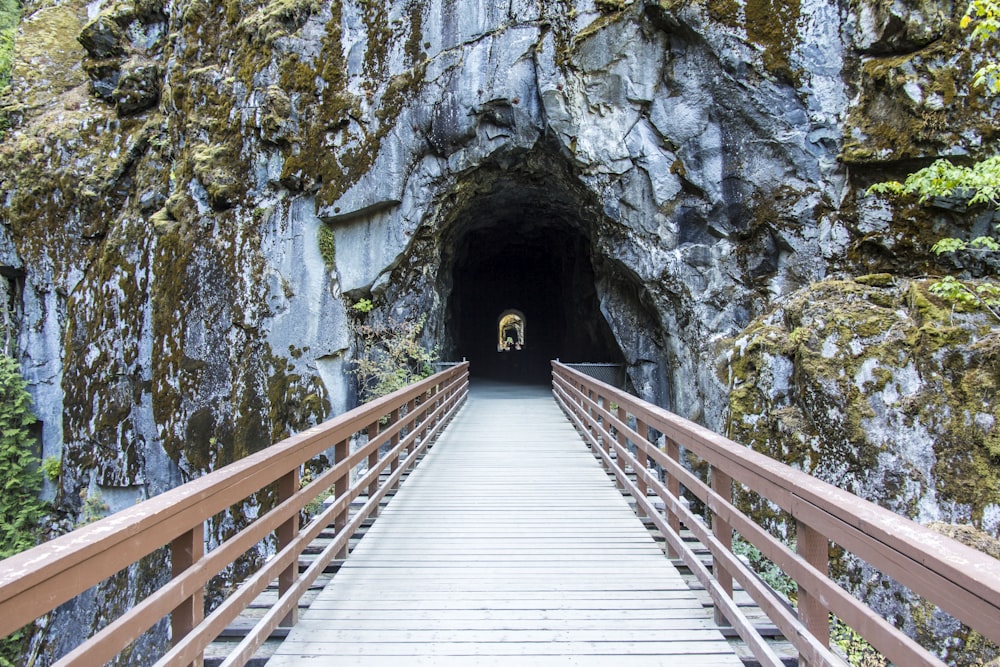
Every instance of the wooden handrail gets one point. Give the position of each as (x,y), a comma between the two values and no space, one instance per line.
(958,579)
(37,581)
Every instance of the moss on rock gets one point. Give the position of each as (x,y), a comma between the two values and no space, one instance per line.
(918,104)
(845,376)
(877,387)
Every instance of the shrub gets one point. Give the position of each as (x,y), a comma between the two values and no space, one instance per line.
(21,511)
(391,357)
(10,16)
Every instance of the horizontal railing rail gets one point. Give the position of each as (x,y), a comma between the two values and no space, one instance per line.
(958,579)
(399,428)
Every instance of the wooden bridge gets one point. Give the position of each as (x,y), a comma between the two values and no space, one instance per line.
(508,541)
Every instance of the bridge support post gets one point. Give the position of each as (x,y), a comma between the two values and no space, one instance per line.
(185,551)
(815,549)
(287,486)
(722,484)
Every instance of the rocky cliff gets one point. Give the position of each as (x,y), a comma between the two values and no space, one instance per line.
(196,192)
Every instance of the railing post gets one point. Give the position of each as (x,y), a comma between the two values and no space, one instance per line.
(185,551)
(623,441)
(722,484)
(425,415)
(674,488)
(620,438)
(393,441)
(815,549)
(340,453)
(411,415)
(288,484)
(373,431)
(640,454)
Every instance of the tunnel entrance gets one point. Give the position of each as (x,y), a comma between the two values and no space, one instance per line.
(521,251)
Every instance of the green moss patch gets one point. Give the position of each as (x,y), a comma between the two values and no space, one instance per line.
(828,380)
(10,16)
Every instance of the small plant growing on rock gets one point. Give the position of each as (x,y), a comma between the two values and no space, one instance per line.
(858,651)
(977,184)
(363,306)
(93,508)
(327,245)
(391,357)
(51,467)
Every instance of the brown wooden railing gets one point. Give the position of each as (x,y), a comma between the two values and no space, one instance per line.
(960,580)
(35,582)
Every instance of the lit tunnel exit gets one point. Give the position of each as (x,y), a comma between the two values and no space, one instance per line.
(524,254)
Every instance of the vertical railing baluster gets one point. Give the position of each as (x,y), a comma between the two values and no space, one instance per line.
(341,451)
(674,488)
(622,461)
(185,551)
(722,484)
(393,442)
(411,416)
(815,549)
(288,484)
(373,431)
(640,454)
(425,415)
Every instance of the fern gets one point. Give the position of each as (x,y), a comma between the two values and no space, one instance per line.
(21,511)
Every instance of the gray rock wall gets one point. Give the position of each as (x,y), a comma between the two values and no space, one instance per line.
(195,193)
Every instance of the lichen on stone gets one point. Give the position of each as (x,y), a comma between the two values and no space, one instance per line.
(875,386)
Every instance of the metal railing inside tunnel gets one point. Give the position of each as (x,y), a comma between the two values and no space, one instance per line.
(399,428)
(946,573)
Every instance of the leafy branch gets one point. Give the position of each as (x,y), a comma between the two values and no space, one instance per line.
(391,357)
(977,184)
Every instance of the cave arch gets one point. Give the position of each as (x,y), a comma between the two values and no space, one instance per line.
(522,234)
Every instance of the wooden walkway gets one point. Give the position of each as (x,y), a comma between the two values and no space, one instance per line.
(508,545)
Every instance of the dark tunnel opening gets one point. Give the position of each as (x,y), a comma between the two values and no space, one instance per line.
(519,256)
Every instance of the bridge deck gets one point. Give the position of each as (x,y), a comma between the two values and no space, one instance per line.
(507,545)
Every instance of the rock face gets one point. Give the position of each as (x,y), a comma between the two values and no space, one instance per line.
(195,193)
(871,386)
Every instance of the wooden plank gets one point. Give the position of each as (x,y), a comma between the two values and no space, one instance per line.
(523,660)
(508,541)
(512,647)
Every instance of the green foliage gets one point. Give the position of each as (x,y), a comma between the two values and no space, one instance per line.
(610,5)
(21,511)
(984,295)
(980,182)
(51,467)
(315,506)
(769,573)
(977,184)
(92,508)
(858,651)
(327,245)
(363,306)
(391,357)
(10,16)
(984,17)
